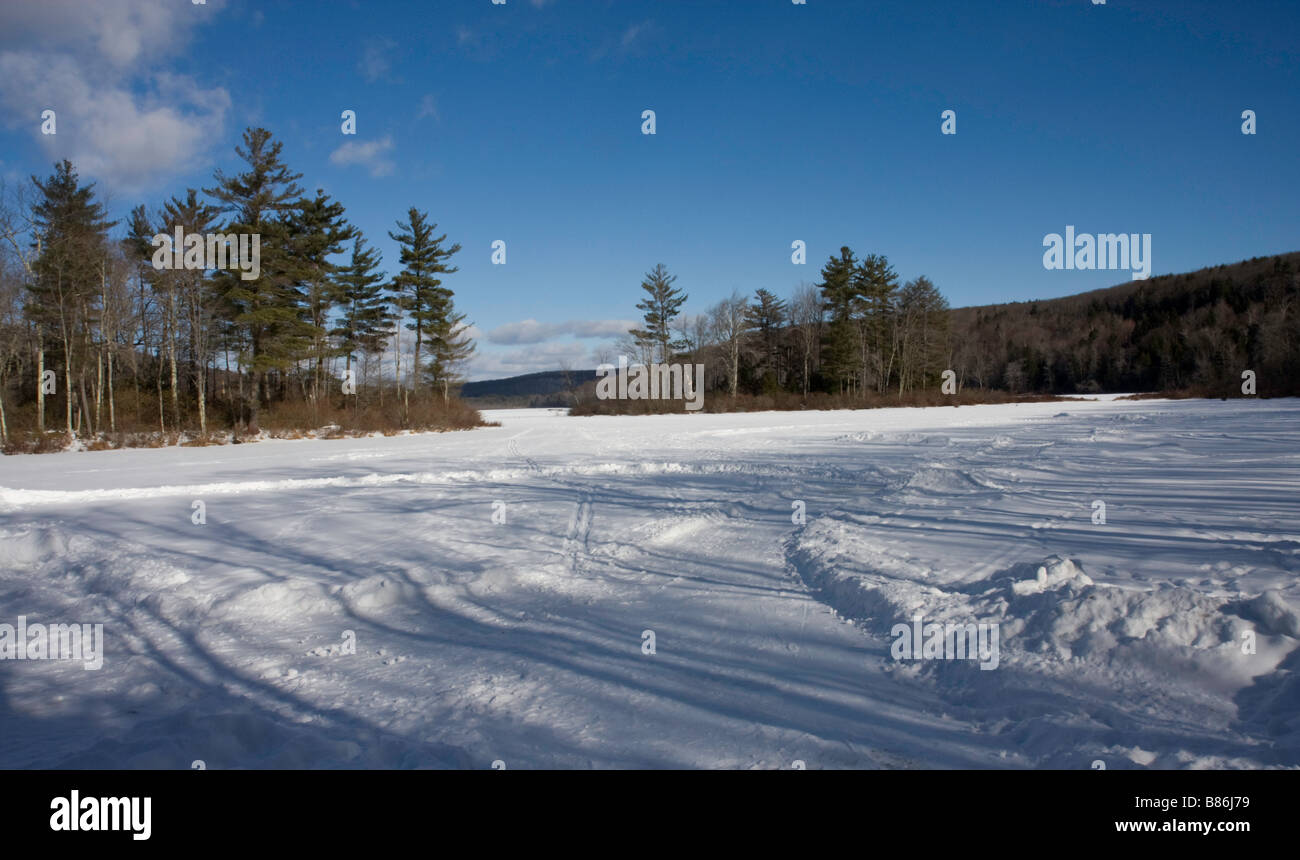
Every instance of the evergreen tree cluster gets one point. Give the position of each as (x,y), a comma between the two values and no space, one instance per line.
(89,323)
(856,332)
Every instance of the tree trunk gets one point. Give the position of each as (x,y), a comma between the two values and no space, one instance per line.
(171,358)
(85,407)
(255,406)
(162,418)
(200,382)
(112,406)
(40,387)
(67,395)
(99,386)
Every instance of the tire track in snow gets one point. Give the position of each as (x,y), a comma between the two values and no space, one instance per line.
(577,541)
(577,538)
(512,446)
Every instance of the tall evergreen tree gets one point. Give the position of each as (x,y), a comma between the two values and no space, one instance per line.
(661,306)
(922,334)
(875,294)
(318,231)
(268,308)
(138,249)
(767,315)
(420,292)
(72,232)
(838,293)
(450,347)
(366,316)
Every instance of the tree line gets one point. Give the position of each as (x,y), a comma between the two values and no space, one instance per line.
(1193,333)
(96,337)
(858,333)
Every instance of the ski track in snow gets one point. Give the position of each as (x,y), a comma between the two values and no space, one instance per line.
(477,640)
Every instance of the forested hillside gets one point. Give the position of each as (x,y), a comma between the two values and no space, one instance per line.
(1196,332)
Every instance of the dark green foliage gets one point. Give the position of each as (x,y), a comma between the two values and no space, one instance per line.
(661,306)
(366,316)
(268,309)
(429,304)
(767,315)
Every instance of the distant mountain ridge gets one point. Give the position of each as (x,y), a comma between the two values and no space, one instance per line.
(528,385)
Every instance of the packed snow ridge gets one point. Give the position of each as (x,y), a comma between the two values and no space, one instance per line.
(729,591)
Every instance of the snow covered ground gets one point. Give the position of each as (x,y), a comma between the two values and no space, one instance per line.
(522,642)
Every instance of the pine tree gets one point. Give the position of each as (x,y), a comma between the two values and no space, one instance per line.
(267,309)
(875,294)
(138,249)
(838,293)
(767,315)
(661,306)
(72,230)
(450,346)
(318,231)
(420,290)
(366,316)
(922,334)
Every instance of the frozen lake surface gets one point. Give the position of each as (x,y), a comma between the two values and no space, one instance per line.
(770,554)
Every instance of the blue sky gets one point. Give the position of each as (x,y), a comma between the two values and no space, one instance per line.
(775,122)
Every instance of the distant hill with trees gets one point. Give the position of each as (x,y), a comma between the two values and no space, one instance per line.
(1195,332)
(530,389)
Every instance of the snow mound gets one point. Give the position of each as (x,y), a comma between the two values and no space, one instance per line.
(1053,618)
(1271,614)
(932,439)
(31,546)
(1063,613)
(945,481)
(1051,575)
(276,600)
(379,592)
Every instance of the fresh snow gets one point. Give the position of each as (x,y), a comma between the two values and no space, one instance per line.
(522,643)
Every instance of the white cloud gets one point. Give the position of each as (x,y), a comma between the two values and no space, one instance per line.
(531,331)
(629,43)
(630,35)
(120,121)
(119,32)
(376,59)
(369,154)
(428,107)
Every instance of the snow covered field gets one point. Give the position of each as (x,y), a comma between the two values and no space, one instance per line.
(522,642)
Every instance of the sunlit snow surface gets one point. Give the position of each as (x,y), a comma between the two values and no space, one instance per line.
(522,642)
